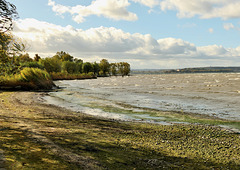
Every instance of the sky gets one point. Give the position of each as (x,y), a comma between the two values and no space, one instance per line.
(148,34)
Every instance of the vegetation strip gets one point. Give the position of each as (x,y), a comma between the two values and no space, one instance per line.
(37,136)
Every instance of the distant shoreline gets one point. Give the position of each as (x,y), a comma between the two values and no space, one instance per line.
(188,70)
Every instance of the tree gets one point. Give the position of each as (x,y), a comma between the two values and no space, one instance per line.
(79,67)
(69,67)
(25,58)
(51,64)
(126,68)
(113,69)
(123,68)
(8,60)
(76,60)
(87,67)
(37,57)
(96,68)
(64,56)
(7,13)
(5,40)
(104,66)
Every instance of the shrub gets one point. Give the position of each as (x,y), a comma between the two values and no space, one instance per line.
(28,79)
(37,78)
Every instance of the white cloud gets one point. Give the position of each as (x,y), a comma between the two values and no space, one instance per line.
(224,9)
(211,30)
(117,9)
(113,9)
(228,26)
(149,3)
(213,50)
(116,45)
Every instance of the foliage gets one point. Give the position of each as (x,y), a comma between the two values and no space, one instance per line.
(51,64)
(29,79)
(11,56)
(87,67)
(7,13)
(37,57)
(5,40)
(64,56)
(96,68)
(66,76)
(69,67)
(25,58)
(104,66)
(123,68)
(113,69)
(33,64)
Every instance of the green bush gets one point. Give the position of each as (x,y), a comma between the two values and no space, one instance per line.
(37,78)
(28,79)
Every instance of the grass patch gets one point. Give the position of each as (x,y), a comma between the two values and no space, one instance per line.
(22,152)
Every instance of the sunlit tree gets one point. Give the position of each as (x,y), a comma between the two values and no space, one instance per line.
(52,64)
(69,67)
(64,56)
(123,68)
(104,66)
(113,69)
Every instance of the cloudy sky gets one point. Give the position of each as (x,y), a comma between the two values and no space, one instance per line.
(155,34)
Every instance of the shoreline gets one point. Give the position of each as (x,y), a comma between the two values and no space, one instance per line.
(38,135)
(169,117)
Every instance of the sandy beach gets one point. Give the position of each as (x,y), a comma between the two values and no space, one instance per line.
(34,135)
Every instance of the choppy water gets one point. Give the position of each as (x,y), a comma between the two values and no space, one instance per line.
(116,97)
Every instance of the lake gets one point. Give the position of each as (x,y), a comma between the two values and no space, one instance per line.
(136,97)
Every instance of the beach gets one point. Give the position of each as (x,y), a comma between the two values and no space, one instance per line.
(36,135)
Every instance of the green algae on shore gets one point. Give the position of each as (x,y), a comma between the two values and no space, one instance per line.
(154,115)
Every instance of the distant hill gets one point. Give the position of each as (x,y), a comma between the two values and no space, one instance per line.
(149,71)
(188,70)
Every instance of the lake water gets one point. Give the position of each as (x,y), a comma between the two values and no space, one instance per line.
(119,97)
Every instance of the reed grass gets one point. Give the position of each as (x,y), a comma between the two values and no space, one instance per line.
(27,79)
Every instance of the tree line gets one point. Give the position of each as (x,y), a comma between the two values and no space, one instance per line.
(64,63)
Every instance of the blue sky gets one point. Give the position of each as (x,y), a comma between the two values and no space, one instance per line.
(147,34)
